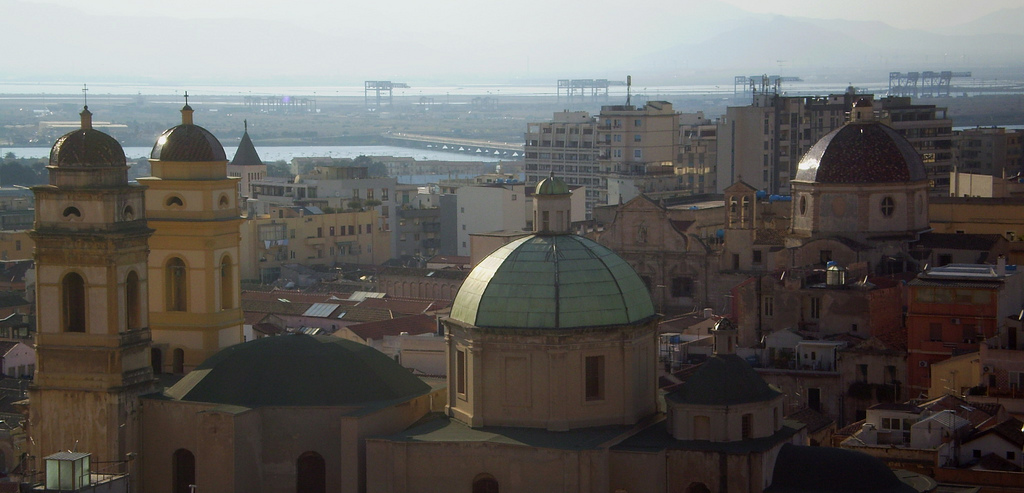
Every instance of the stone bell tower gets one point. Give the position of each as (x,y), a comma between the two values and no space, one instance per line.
(93,341)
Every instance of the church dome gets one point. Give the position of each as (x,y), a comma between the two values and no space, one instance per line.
(803,469)
(861,152)
(86,148)
(723,380)
(552,282)
(188,142)
(552,186)
(298,370)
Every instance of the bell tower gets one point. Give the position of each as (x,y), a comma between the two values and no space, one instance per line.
(93,341)
(193,262)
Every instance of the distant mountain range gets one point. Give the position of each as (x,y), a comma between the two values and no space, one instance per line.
(706,44)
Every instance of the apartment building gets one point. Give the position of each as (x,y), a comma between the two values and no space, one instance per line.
(308,236)
(992,151)
(929,130)
(566,146)
(697,164)
(638,148)
(338,188)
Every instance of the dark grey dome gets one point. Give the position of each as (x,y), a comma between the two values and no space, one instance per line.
(861,152)
(86,148)
(298,370)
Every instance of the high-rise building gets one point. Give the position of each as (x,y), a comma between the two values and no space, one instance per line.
(992,151)
(567,146)
(638,150)
(697,165)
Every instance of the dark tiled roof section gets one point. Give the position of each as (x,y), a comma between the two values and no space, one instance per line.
(298,370)
(958,241)
(12,298)
(1009,429)
(896,406)
(802,469)
(189,143)
(404,306)
(814,420)
(86,148)
(15,271)
(849,429)
(723,380)
(993,462)
(361,314)
(295,297)
(277,307)
(868,152)
(414,325)
(417,272)
(246,154)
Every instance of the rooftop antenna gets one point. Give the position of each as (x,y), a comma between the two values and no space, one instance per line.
(85,95)
(629,84)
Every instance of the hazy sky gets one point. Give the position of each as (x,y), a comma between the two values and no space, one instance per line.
(898,13)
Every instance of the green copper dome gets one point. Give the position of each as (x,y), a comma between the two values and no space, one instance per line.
(552,186)
(552,282)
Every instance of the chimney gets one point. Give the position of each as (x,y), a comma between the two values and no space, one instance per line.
(708,312)
(1001,265)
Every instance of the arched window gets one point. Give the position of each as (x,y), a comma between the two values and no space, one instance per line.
(176,285)
(72,213)
(178,363)
(184,471)
(888,206)
(132,301)
(73,293)
(485,483)
(310,474)
(697,488)
(223,202)
(156,357)
(227,283)
(175,201)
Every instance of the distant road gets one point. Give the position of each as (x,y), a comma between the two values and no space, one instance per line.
(471,145)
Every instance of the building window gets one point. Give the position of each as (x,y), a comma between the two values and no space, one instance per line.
(803,205)
(184,465)
(935,331)
(825,256)
(132,301)
(332,231)
(701,428)
(638,154)
(485,483)
(769,306)
(636,137)
(227,278)
(888,206)
(176,285)
(594,385)
(756,257)
(310,473)
(862,373)
(747,426)
(178,361)
(815,308)
(73,292)
(682,287)
(460,372)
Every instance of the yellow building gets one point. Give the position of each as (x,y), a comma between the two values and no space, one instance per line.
(15,245)
(979,216)
(307,236)
(93,336)
(193,261)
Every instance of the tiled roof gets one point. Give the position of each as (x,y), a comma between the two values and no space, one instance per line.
(188,143)
(246,154)
(298,370)
(803,469)
(414,325)
(278,307)
(814,420)
(363,314)
(552,282)
(6,347)
(1010,430)
(12,298)
(861,152)
(993,462)
(405,306)
(86,148)
(723,380)
(958,241)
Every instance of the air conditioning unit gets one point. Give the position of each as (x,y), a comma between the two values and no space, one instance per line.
(955,321)
(922,364)
(986,369)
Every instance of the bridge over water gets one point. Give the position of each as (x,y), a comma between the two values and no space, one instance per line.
(488,147)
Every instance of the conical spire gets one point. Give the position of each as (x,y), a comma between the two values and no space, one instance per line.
(246,154)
